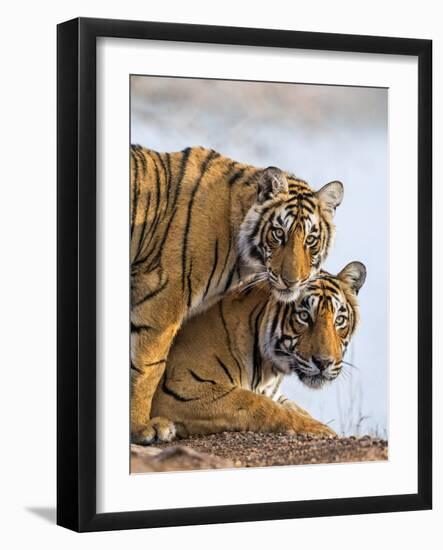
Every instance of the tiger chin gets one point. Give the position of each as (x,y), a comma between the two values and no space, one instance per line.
(225,367)
(201,223)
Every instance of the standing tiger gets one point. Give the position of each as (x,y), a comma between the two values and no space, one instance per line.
(200,222)
(225,366)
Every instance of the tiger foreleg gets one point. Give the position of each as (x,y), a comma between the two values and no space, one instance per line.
(149,349)
(146,430)
(236,409)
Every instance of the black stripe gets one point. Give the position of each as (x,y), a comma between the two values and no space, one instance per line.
(255,230)
(251,318)
(225,368)
(136,192)
(257,358)
(183,164)
(276,318)
(332,282)
(139,328)
(327,233)
(265,230)
(279,220)
(152,294)
(225,394)
(162,163)
(228,339)
(214,267)
(157,188)
(156,217)
(255,252)
(199,378)
(203,169)
(142,158)
(301,202)
(159,362)
(228,253)
(167,194)
(143,230)
(189,279)
(175,395)
(168,163)
(262,222)
(230,277)
(155,260)
(225,263)
(292,323)
(182,171)
(235,177)
(290,215)
(136,368)
(300,187)
(306,206)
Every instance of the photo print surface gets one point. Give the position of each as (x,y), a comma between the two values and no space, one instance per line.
(259,274)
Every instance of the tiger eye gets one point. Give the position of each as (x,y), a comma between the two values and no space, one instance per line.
(311,239)
(278,233)
(304,316)
(341,319)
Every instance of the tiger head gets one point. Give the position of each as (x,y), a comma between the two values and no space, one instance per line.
(310,336)
(286,235)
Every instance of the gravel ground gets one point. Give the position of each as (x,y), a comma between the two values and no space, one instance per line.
(248,449)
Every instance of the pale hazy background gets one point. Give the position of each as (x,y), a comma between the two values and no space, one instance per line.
(319,133)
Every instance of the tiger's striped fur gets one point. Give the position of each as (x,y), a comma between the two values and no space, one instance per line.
(225,367)
(189,211)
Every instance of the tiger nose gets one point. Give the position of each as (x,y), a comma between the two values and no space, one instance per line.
(291,283)
(322,363)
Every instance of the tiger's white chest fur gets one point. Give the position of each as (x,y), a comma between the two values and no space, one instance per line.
(269,384)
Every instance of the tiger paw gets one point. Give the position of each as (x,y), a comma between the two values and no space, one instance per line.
(301,424)
(317,429)
(157,429)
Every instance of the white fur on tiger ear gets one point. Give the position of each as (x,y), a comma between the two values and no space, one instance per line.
(331,195)
(272,182)
(354,275)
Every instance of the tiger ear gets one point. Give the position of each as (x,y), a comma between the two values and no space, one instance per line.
(331,195)
(354,275)
(272,182)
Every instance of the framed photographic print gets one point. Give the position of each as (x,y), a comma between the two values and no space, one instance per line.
(244,274)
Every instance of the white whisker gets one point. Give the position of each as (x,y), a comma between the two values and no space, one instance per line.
(253,283)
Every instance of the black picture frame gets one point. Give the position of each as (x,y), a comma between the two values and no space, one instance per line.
(76,265)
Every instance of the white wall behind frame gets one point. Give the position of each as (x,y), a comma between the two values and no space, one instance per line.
(28,115)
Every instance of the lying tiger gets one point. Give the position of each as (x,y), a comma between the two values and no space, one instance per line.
(226,365)
(200,223)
